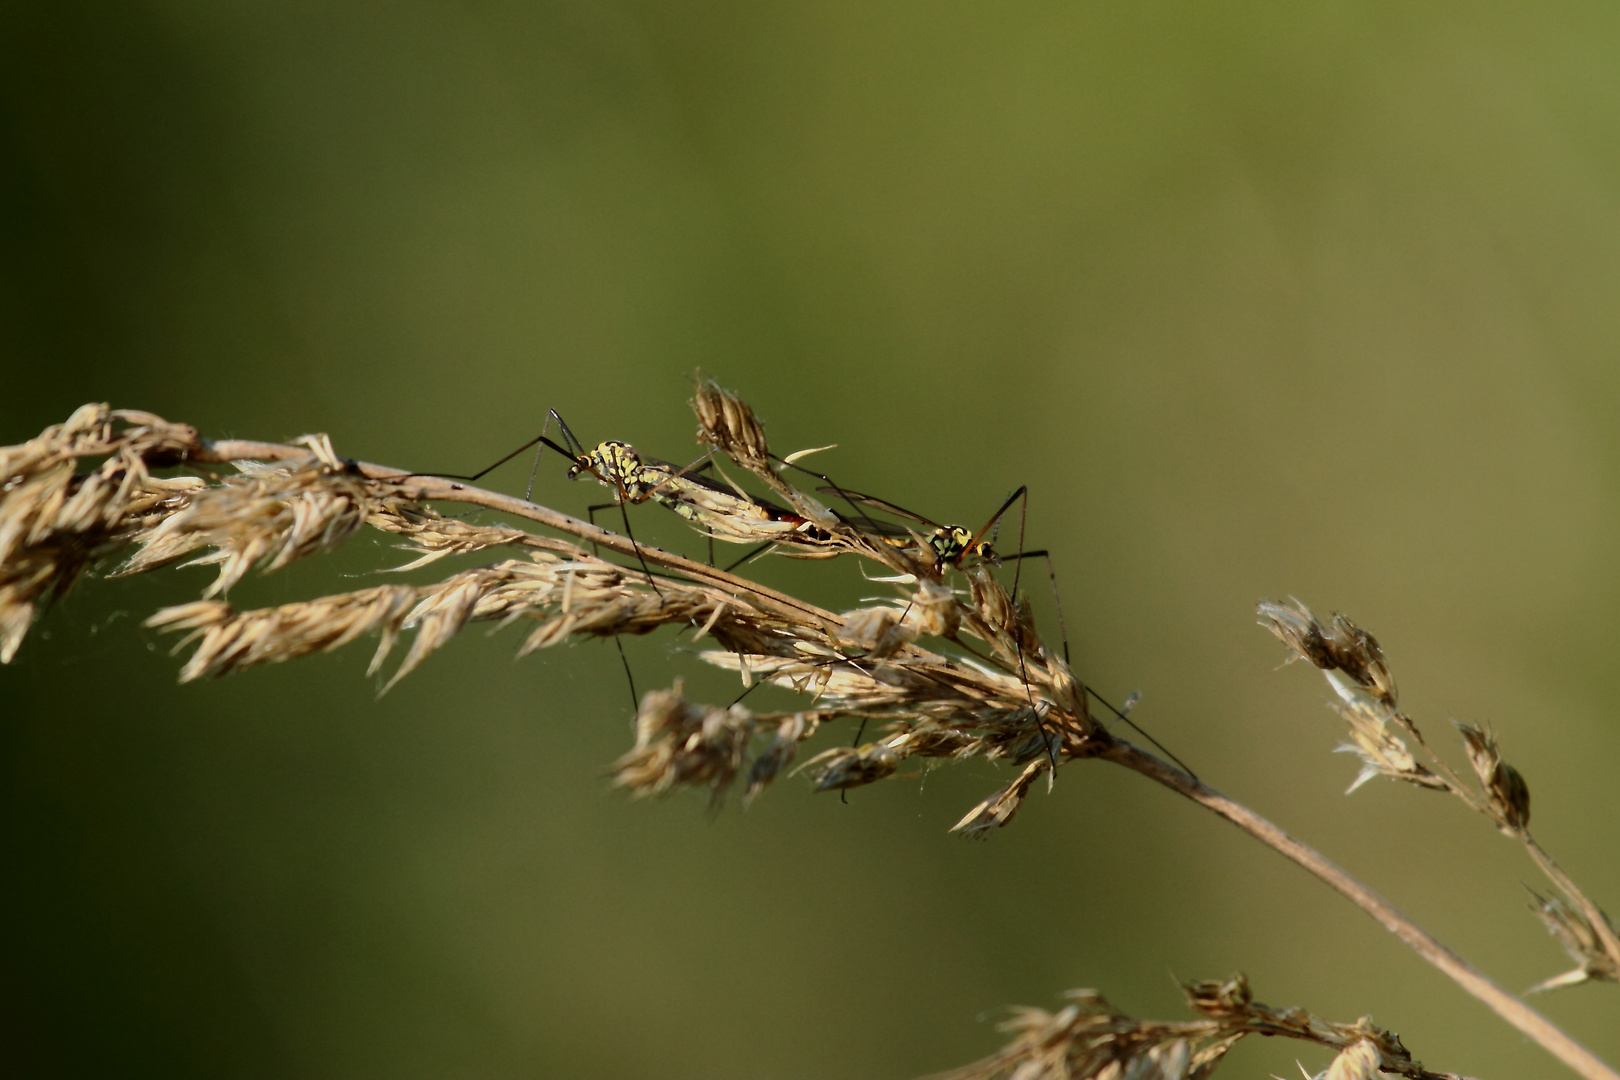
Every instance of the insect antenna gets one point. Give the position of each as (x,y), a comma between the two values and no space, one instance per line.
(1022,492)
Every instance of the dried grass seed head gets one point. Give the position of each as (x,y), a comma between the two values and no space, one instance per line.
(791,731)
(851,766)
(56,522)
(679,744)
(230,640)
(268,516)
(727,423)
(1091,1039)
(998,809)
(1507,794)
(1339,645)
(1580,939)
(877,633)
(1382,753)
(1359,1061)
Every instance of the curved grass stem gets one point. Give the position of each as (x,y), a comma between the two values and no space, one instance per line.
(1510,1008)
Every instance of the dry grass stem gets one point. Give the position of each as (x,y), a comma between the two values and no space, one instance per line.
(1354,665)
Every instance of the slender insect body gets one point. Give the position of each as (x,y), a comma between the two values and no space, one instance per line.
(722,512)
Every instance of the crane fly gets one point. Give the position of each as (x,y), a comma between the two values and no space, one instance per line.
(719,510)
(953,545)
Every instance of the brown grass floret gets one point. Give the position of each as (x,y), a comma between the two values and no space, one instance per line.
(1089,1039)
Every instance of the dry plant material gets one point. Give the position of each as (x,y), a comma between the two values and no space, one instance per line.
(84,494)
(267,517)
(56,521)
(229,640)
(1354,665)
(1008,698)
(679,744)
(1587,940)
(1089,1039)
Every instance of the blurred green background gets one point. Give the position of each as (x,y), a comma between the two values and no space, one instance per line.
(1260,299)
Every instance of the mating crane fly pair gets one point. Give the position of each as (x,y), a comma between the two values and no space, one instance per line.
(636,478)
(716,508)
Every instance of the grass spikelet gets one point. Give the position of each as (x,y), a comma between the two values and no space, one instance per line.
(1339,644)
(267,517)
(1359,1061)
(55,521)
(876,633)
(728,424)
(848,767)
(1508,796)
(1382,753)
(998,809)
(229,640)
(790,732)
(1089,1039)
(679,744)
(434,536)
(1585,938)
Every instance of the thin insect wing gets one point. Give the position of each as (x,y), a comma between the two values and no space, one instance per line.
(685,475)
(876,527)
(858,499)
(685,478)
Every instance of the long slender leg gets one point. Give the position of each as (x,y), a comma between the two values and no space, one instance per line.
(635,699)
(854,504)
(1057,601)
(540,442)
(1018,643)
(590,515)
(1123,715)
(642,559)
(742,560)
